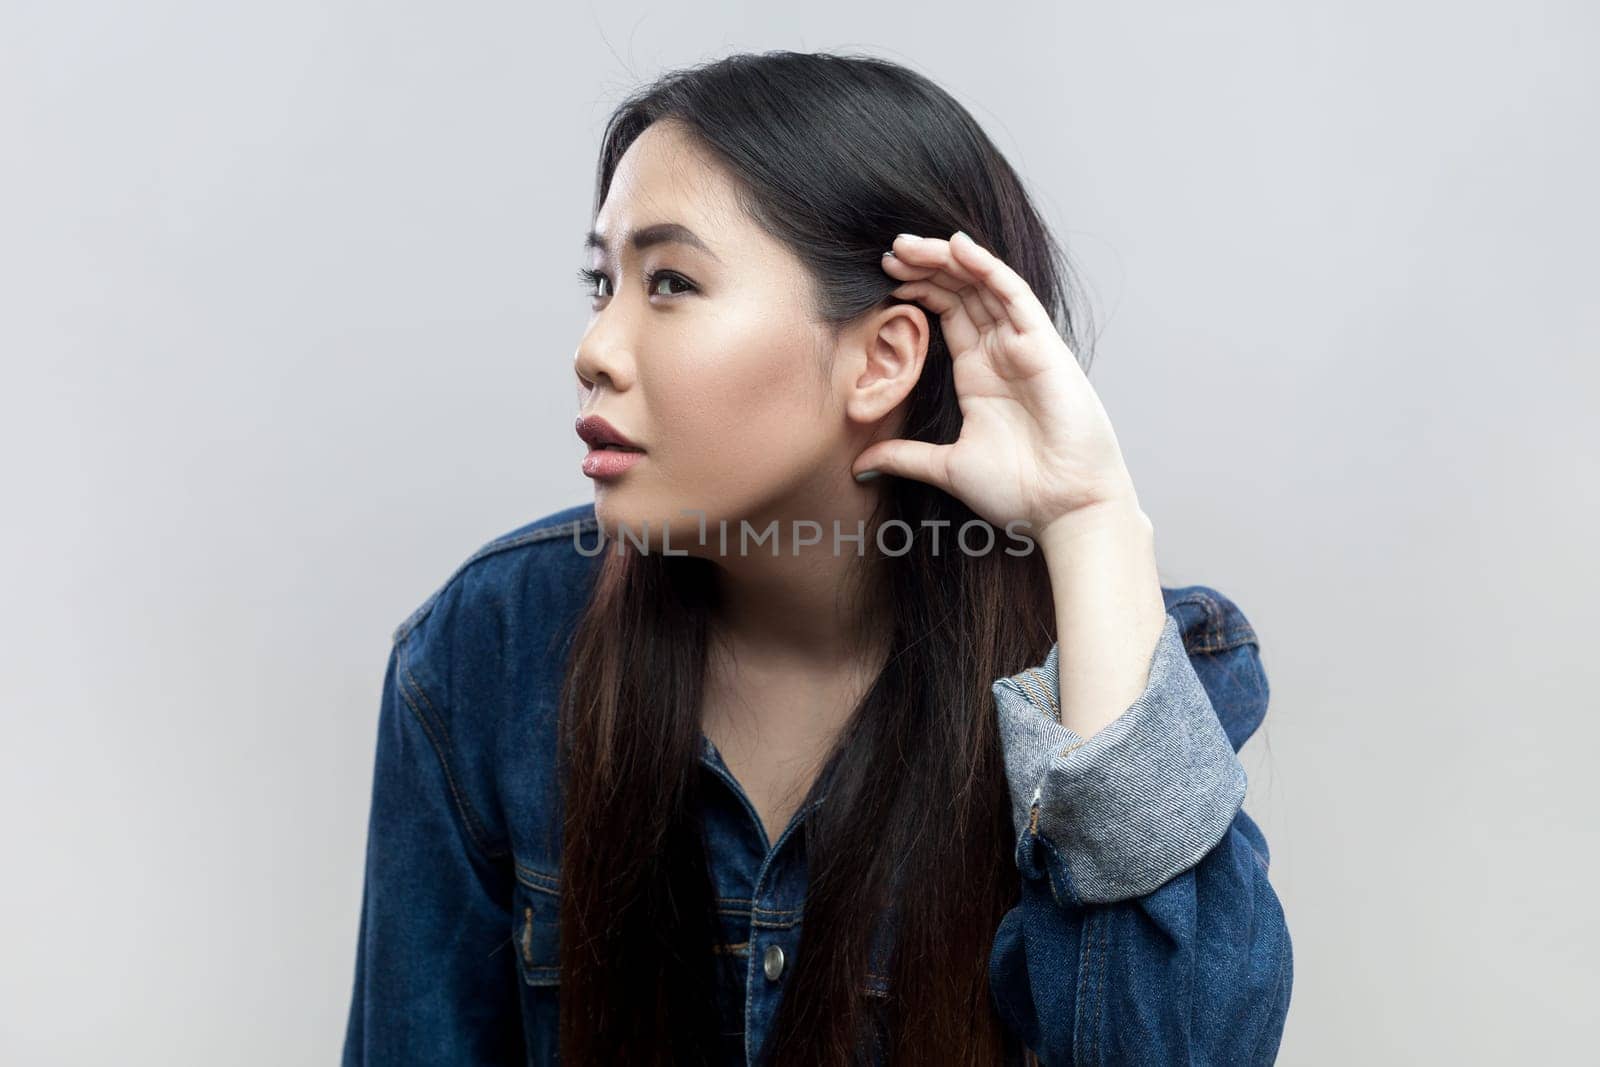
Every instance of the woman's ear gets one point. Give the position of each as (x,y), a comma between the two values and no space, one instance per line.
(881,360)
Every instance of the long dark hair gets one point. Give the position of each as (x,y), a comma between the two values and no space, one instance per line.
(834,155)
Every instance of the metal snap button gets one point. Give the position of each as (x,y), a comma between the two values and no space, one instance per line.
(772,962)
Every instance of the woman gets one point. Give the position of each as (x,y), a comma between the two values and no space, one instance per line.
(850,723)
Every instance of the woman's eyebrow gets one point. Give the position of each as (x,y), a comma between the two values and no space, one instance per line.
(657,234)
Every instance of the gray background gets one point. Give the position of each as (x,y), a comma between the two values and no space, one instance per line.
(288,331)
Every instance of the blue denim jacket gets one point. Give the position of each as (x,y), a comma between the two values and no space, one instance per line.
(1146,932)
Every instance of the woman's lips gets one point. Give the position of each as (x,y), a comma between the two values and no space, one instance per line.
(609,462)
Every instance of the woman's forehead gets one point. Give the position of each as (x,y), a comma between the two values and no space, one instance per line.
(667,176)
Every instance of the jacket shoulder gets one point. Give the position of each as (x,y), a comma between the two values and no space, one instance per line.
(552,530)
(478,662)
(1226,654)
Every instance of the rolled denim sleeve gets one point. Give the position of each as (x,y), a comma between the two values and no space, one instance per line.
(1142,799)
(1147,930)
(435,970)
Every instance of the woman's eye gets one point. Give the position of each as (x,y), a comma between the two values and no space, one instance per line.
(666,276)
(591,278)
(588,279)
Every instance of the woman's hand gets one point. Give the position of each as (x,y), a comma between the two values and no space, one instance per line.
(1035,443)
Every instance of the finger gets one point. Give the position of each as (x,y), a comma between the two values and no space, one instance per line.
(902,268)
(935,298)
(992,298)
(919,460)
(1021,305)
(934,253)
(966,292)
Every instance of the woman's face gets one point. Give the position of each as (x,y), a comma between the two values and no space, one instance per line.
(701,349)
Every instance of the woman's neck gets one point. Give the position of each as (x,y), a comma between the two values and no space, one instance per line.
(804,609)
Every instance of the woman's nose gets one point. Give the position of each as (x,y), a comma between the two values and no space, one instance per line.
(599,358)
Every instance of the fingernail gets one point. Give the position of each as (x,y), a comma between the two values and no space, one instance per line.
(960,233)
(908,236)
(891,253)
(867,476)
